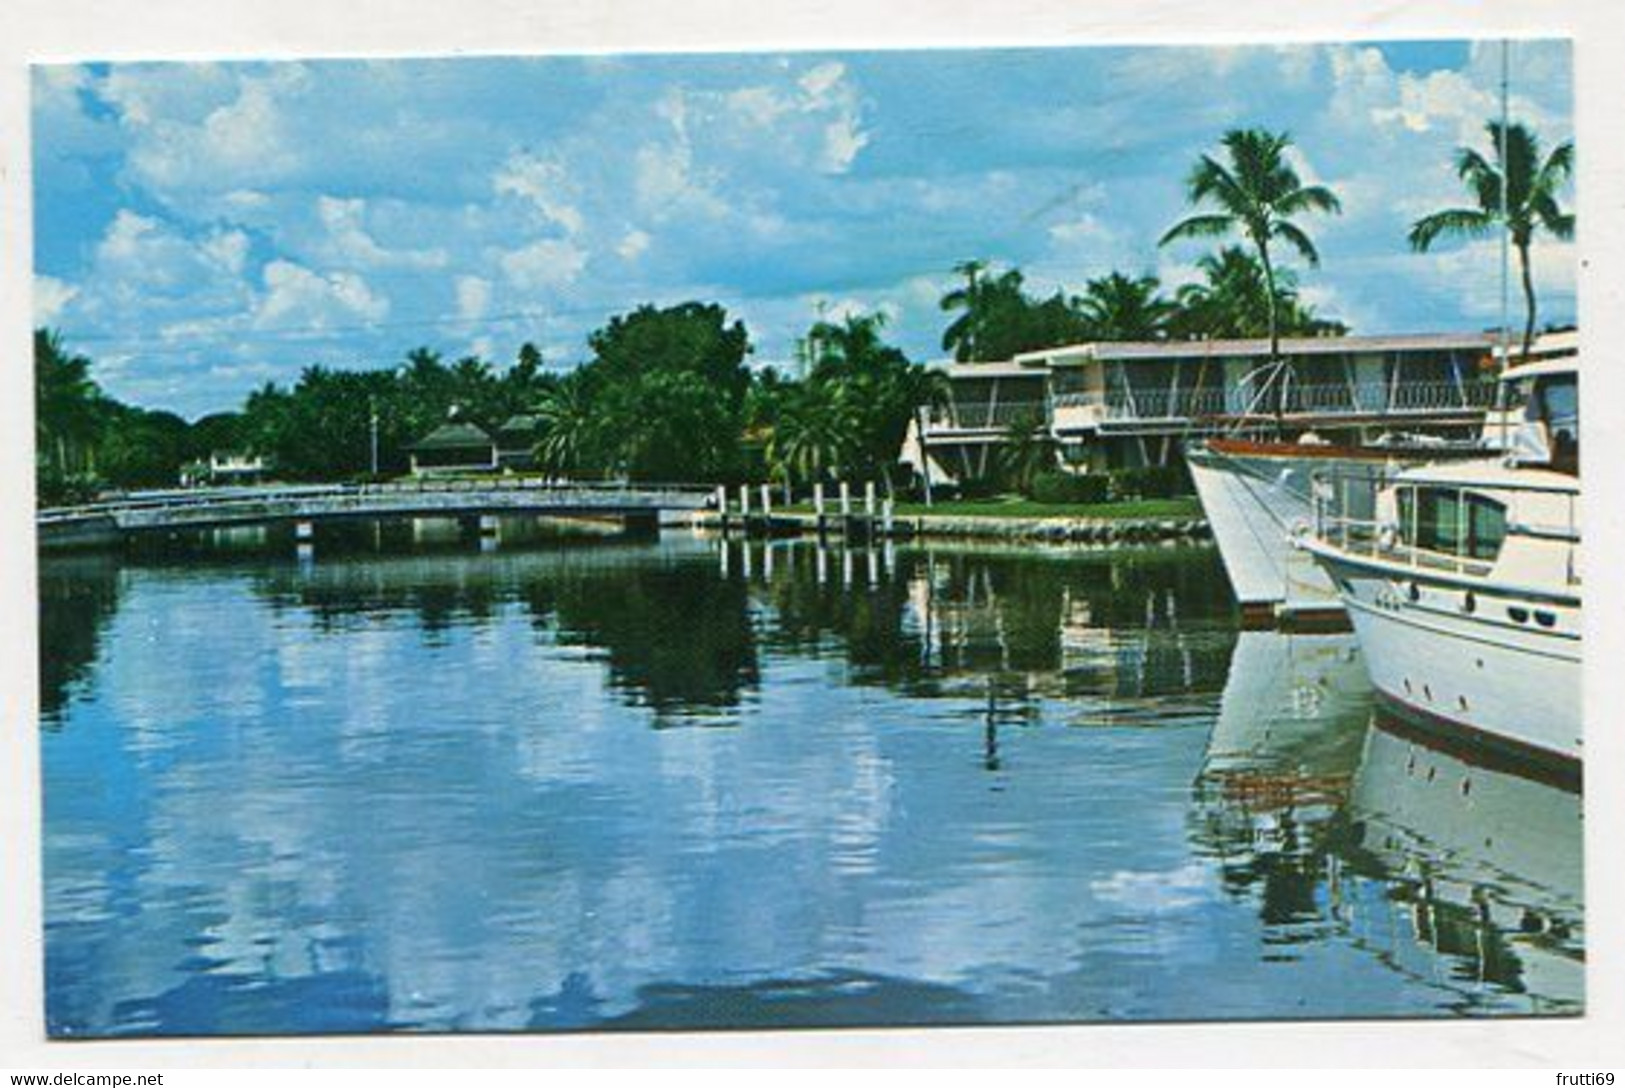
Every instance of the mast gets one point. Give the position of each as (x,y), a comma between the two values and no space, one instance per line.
(1506,234)
(1506,227)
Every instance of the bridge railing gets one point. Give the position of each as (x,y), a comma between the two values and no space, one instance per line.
(246,497)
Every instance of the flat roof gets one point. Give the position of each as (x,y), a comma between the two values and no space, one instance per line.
(1010,369)
(1255,346)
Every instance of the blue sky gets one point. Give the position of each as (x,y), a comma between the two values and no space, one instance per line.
(203,228)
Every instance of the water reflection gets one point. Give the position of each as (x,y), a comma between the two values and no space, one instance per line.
(407,784)
(1333,819)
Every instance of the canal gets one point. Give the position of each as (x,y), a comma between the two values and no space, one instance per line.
(579,783)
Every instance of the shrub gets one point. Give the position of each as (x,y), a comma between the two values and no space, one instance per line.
(1064,487)
(1157,482)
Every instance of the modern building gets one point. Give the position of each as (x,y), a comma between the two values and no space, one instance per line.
(453,447)
(1133,404)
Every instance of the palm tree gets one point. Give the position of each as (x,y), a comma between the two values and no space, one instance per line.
(1231,301)
(1257,193)
(1028,450)
(569,428)
(960,336)
(1531,186)
(68,405)
(1119,307)
(815,432)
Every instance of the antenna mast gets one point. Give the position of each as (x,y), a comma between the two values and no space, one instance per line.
(1506,227)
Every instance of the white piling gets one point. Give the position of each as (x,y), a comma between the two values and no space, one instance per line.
(886,511)
(818,499)
(767,500)
(869,498)
(846,499)
(744,499)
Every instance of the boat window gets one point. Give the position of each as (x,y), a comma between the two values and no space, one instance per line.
(1438,519)
(1557,401)
(1486,527)
(1445,520)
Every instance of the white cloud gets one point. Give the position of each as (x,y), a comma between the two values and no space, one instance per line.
(819,84)
(348,242)
(473,297)
(550,262)
(1472,274)
(633,244)
(51,297)
(141,253)
(759,106)
(228,249)
(246,142)
(542,183)
(842,142)
(297,297)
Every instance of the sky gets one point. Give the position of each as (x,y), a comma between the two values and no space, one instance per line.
(203,228)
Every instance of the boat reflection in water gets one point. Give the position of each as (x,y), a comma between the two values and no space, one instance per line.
(1337,817)
(1487,860)
(413,785)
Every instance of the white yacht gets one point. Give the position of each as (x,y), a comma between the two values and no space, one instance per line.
(1463,585)
(1257,494)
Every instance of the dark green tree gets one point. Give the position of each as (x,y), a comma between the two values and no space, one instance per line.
(1119,307)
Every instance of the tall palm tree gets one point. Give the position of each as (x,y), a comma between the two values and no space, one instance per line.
(1532,186)
(1256,193)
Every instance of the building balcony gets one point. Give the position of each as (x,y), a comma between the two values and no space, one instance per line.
(987,416)
(1082,411)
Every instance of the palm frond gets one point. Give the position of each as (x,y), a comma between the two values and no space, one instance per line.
(1312,198)
(1462,222)
(1199,226)
(1560,223)
(1294,234)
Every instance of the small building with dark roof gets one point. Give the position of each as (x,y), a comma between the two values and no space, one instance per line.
(453,447)
(516,442)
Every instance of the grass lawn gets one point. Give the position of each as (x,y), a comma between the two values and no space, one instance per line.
(1014,506)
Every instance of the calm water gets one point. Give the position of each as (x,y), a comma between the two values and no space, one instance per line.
(604,785)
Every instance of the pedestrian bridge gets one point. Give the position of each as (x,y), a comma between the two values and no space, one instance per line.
(638,507)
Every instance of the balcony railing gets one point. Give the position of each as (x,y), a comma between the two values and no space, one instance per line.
(1297,398)
(982,416)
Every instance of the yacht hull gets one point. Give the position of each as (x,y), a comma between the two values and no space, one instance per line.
(1453,657)
(1257,497)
